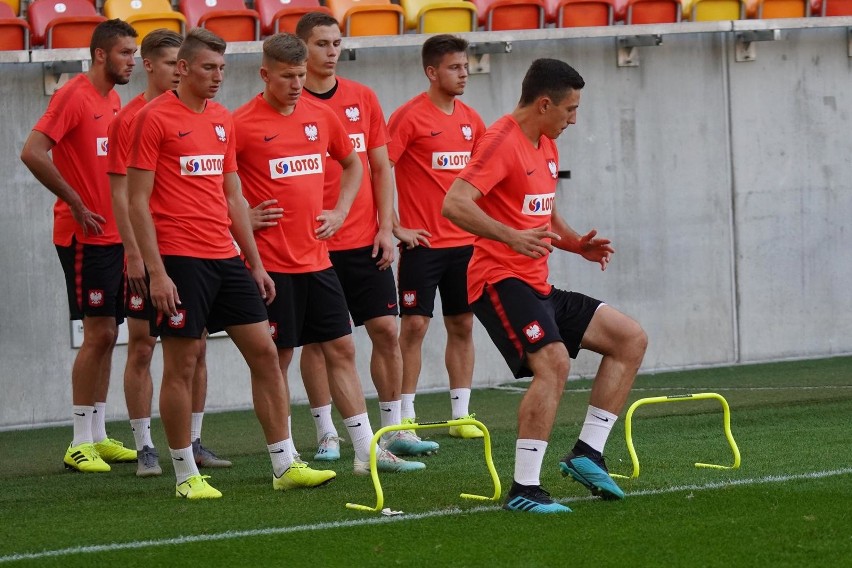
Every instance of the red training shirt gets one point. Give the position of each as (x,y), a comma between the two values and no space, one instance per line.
(119,136)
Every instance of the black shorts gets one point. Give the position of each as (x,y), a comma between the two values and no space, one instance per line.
(94,279)
(424,270)
(308,308)
(520,320)
(214,295)
(370,292)
(137,306)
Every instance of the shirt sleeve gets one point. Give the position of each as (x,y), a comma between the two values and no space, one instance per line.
(486,169)
(117,147)
(147,134)
(230,163)
(339,143)
(400,135)
(378,131)
(63,113)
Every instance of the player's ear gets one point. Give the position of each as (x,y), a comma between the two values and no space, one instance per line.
(264,73)
(183,66)
(431,73)
(100,55)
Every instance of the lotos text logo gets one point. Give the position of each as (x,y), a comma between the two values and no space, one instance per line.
(450,160)
(541,204)
(533,332)
(103,146)
(295,166)
(358,142)
(210,165)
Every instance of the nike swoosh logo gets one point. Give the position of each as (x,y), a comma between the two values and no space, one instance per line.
(276,451)
(391,306)
(268,138)
(78,414)
(182,134)
(98,116)
(355,425)
(316,415)
(433,133)
(386,410)
(178,459)
(530,172)
(601,418)
(529,449)
(454,398)
(182,494)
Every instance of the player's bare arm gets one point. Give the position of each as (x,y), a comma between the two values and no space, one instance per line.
(460,207)
(140,185)
(382,176)
(135,265)
(241,230)
(410,237)
(589,246)
(35,156)
(350,182)
(265,214)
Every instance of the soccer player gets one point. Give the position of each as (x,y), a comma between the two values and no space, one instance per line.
(186,211)
(362,250)
(506,196)
(74,130)
(282,143)
(432,136)
(159,58)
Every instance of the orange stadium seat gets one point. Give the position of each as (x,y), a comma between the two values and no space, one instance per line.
(15,5)
(283,15)
(14,32)
(653,11)
(836,8)
(716,10)
(229,19)
(146,15)
(62,23)
(769,9)
(510,14)
(580,13)
(368,17)
(439,16)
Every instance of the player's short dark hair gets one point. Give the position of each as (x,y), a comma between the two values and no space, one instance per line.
(199,39)
(312,20)
(549,77)
(107,33)
(158,40)
(285,48)
(437,46)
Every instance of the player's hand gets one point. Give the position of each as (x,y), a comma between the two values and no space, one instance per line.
(164,294)
(91,222)
(136,275)
(265,284)
(412,237)
(532,243)
(330,221)
(596,250)
(383,243)
(263,215)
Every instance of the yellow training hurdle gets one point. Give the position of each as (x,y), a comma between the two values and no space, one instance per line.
(380,498)
(628,429)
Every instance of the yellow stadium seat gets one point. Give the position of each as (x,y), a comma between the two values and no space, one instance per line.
(715,10)
(439,16)
(368,17)
(146,15)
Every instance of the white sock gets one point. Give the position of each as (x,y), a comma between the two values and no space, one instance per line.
(292,447)
(323,421)
(281,454)
(597,427)
(290,426)
(391,412)
(195,429)
(361,433)
(82,416)
(460,400)
(142,433)
(528,457)
(408,406)
(99,422)
(184,464)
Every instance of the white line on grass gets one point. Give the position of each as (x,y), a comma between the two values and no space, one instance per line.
(228,535)
(693,390)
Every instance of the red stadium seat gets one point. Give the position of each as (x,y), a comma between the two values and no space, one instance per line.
(62,23)
(368,17)
(580,13)
(146,15)
(14,32)
(228,19)
(836,8)
(510,14)
(283,15)
(15,5)
(653,11)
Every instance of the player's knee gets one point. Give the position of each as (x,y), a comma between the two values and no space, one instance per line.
(637,342)
(414,327)
(140,353)
(101,337)
(339,350)
(460,327)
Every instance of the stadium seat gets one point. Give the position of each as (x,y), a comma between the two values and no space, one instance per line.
(580,13)
(653,11)
(510,14)
(836,8)
(62,23)
(283,15)
(229,19)
(439,16)
(769,9)
(14,5)
(368,17)
(146,15)
(715,10)
(14,31)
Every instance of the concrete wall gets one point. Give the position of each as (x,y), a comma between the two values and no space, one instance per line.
(724,186)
